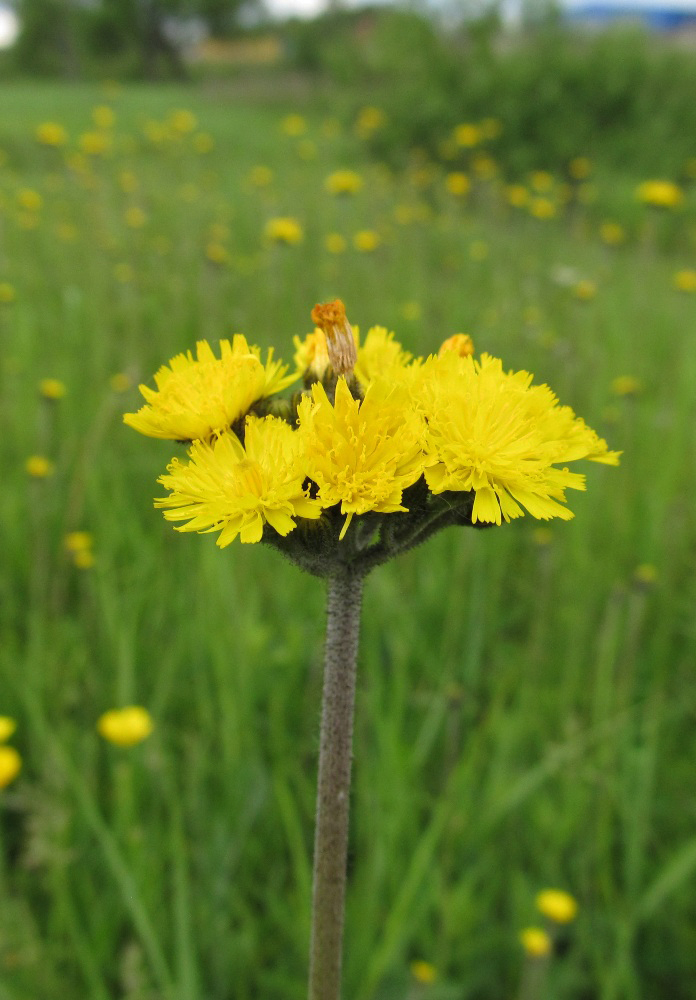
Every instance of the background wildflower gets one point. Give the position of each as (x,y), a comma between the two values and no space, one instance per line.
(52,388)
(39,467)
(285,230)
(7,728)
(536,942)
(557,905)
(10,765)
(125,727)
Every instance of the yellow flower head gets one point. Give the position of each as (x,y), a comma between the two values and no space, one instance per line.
(51,134)
(366,240)
(580,168)
(457,183)
(536,942)
(183,121)
(612,233)
(52,388)
(423,972)
(7,293)
(343,182)
(197,398)
(7,728)
(626,385)
(125,727)
(557,905)
(84,559)
(312,355)
(335,243)
(460,343)
(39,467)
(95,143)
(237,489)
(494,433)
(293,125)
(78,541)
(685,280)
(284,230)
(261,176)
(369,120)
(467,135)
(516,195)
(29,200)
(10,765)
(660,194)
(103,116)
(362,454)
(381,356)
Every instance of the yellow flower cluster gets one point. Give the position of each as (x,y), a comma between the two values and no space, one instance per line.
(477,444)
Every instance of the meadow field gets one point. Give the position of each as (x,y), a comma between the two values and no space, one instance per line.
(526,694)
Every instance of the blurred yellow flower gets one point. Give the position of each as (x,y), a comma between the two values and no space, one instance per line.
(536,942)
(335,243)
(585,290)
(361,454)
(457,183)
(460,343)
(491,128)
(203,143)
(685,280)
(52,134)
(135,217)
(29,199)
(542,208)
(484,166)
(7,293)
(217,253)
(10,765)
(7,728)
(580,168)
(516,195)
(646,575)
(541,181)
(612,233)
(128,182)
(236,489)
(366,240)
(52,388)
(125,727)
(78,541)
(39,467)
(84,559)
(660,194)
(423,972)
(411,311)
(261,176)
(626,385)
(285,230)
(103,116)
(557,905)
(369,120)
(120,382)
(182,121)
(293,125)
(467,135)
(95,143)
(196,399)
(343,182)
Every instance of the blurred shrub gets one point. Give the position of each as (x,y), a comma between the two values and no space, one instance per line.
(621,95)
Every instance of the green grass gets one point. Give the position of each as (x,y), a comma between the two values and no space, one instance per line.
(525,706)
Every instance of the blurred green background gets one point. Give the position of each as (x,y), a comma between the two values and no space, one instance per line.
(526,694)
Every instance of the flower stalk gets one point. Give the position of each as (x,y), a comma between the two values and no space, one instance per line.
(333,789)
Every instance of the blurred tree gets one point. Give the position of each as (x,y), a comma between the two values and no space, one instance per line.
(61,37)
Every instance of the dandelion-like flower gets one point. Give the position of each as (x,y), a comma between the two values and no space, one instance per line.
(558,905)
(7,728)
(494,433)
(10,765)
(536,942)
(196,398)
(660,194)
(236,489)
(125,727)
(362,454)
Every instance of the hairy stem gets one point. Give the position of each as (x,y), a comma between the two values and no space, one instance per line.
(333,792)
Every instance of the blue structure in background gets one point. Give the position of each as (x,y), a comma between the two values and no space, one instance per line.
(655,16)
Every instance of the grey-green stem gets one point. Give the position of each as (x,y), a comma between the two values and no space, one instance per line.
(333,791)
